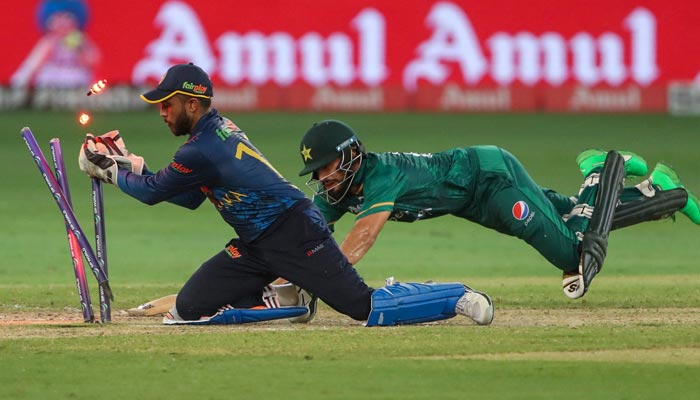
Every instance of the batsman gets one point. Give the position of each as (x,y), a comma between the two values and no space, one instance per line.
(279,231)
(489,186)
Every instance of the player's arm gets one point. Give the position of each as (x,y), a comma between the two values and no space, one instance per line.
(105,157)
(177,182)
(191,199)
(363,235)
(381,188)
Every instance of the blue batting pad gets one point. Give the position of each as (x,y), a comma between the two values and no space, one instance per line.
(244,316)
(411,303)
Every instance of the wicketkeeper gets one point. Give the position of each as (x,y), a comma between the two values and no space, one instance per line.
(489,186)
(281,233)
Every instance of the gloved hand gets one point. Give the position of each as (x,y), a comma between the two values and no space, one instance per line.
(111,143)
(101,157)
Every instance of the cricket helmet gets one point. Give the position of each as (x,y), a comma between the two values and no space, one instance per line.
(324,142)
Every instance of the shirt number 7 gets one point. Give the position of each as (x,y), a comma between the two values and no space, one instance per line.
(242,148)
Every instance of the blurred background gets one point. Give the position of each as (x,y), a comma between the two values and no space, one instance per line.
(361,55)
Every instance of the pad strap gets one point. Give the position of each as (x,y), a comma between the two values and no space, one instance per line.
(646,187)
(579,210)
(591,180)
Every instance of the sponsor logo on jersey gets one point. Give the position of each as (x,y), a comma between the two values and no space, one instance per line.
(357,206)
(180,168)
(232,251)
(313,251)
(520,210)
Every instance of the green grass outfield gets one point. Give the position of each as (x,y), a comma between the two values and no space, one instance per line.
(636,335)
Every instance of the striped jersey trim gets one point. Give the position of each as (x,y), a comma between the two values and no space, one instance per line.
(387,203)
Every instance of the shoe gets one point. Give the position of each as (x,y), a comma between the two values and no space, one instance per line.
(590,160)
(308,300)
(475,305)
(573,285)
(666,178)
(172,317)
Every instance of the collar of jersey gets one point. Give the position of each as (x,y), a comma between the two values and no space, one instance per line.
(199,127)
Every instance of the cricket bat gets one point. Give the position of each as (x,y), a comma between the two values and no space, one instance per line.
(154,307)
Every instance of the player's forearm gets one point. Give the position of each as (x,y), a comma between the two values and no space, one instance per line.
(357,244)
(155,188)
(362,236)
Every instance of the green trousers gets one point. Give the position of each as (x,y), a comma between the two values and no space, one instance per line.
(508,200)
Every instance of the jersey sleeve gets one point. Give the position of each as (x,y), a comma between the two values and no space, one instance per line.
(176,183)
(381,189)
(192,199)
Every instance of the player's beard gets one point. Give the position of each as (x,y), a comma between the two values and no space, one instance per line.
(337,193)
(183,124)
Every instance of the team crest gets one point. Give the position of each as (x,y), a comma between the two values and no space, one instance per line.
(306,153)
(520,210)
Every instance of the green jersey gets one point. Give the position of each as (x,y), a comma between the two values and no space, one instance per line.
(483,184)
(411,186)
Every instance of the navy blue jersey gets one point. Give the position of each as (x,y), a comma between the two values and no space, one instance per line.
(220,163)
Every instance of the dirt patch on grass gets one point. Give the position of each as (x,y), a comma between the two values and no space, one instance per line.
(597,316)
(68,323)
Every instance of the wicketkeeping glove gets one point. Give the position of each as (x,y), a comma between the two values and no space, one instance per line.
(110,143)
(101,158)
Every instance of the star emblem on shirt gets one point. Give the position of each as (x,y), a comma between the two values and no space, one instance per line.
(306,153)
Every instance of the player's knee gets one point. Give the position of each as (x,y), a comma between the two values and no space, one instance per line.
(360,314)
(186,307)
(357,310)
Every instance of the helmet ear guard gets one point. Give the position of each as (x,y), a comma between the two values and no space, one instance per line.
(347,148)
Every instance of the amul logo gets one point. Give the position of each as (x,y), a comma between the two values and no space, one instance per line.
(195,88)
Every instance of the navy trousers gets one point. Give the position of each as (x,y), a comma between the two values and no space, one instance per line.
(298,247)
